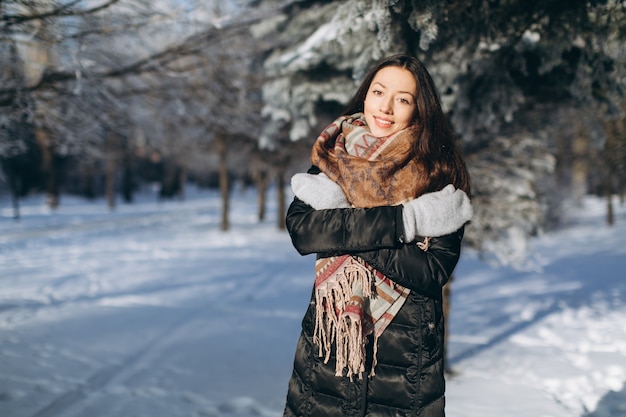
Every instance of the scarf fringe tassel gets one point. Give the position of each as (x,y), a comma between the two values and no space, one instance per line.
(336,323)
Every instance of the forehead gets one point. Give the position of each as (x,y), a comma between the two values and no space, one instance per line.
(396,79)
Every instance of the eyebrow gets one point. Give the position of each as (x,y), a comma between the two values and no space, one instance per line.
(403,92)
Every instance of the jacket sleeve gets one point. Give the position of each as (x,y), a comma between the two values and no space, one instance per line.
(422,271)
(341,231)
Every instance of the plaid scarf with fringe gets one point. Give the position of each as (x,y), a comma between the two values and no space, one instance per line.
(353,300)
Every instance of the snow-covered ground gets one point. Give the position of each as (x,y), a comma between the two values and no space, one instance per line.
(152,311)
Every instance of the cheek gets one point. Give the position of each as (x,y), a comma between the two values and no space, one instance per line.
(367,108)
(404,117)
(410,116)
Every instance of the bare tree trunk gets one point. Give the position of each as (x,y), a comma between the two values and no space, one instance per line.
(261,179)
(182,178)
(621,154)
(222,151)
(49,168)
(110,170)
(614,162)
(54,188)
(15,185)
(610,214)
(16,205)
(14,179)
(580,166)
(608,180)
(128,177)
(564,157)
(282,208)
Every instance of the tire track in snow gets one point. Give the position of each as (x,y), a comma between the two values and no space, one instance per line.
(138,220)
(148,352)
(102,378)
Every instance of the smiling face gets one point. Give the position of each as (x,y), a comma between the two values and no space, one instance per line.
(390,101)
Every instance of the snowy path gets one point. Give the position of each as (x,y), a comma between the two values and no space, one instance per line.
(145,313)
(152,311)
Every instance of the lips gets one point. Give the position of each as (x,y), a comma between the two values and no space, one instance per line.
(382,122)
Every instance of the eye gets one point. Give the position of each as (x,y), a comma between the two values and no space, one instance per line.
(377,92)
(404,100)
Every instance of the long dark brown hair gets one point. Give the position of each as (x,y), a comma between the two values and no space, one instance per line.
(434,137)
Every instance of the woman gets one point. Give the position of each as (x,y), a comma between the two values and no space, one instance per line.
(384,208)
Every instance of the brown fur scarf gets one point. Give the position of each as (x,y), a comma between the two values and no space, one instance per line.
(371,171)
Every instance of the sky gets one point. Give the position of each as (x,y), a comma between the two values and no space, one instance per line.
(151,310)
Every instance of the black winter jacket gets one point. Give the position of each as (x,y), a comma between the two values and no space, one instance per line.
(409,378)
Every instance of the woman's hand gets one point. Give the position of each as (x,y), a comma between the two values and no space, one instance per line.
(319,191)
(436,214)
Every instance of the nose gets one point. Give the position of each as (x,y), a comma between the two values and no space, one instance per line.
(385,106)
